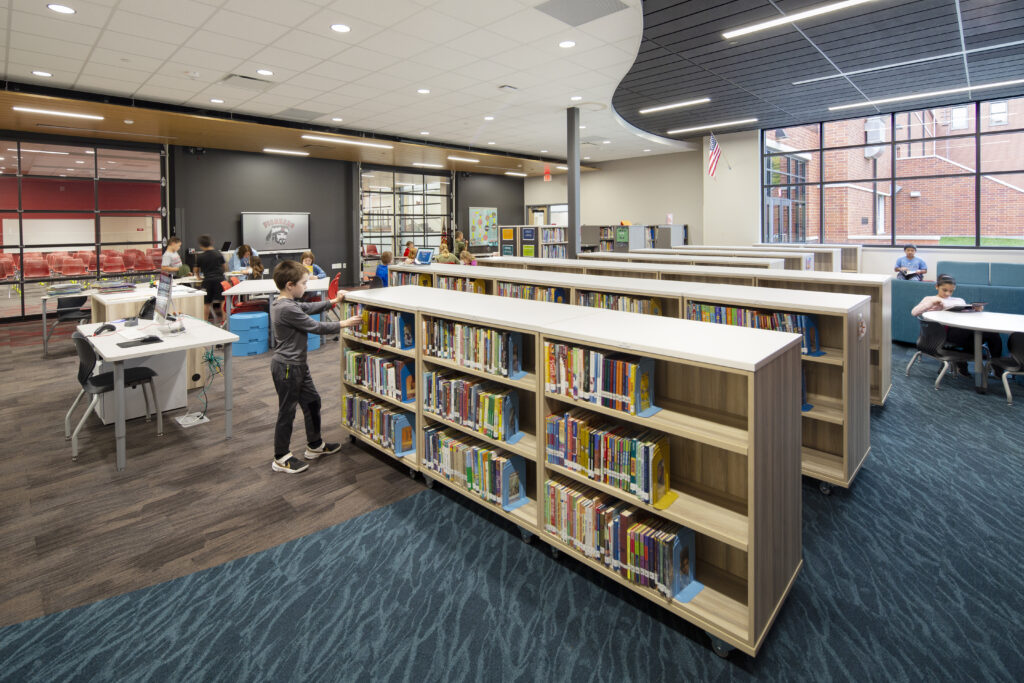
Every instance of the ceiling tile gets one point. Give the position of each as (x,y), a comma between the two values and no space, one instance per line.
(245,27)
(528,23)
(476,12)
(379,13)
(58,65)
(306,43)
(222,45)
(207,64)
(127,60)
(294,92)
(339,73)
(141,25)
(93,14)
(482,42)
(163,94)
(113,86)
(53,29)
(320,84)
(400,45)
(281,13)
(363,58)
(436,27)
(415,72)
(276,57)
(54,46)
(179,12)
(445,58)
(144,47)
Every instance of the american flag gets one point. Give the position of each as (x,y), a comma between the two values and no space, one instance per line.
(714,151)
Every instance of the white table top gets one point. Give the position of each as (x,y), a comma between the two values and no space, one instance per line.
(984,321)
(143,292)
(197,334)
(250,287)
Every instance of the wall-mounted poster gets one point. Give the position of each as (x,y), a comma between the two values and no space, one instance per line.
(622,234)
(528,250)
(529,234)
(273,233)
(508,234)
(508,250)
(483,226)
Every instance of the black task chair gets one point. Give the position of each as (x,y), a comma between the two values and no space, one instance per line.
(102,383)
(930,343)
(69,309)
(1012,364)
(376,282)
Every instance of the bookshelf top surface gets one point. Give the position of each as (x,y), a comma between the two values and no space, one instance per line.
(741,295)
(786,248)
(738,260)
(747,252)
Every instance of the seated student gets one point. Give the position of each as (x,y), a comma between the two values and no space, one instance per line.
(410,251)
(315,271)
(956,337)
(241,260)
(210,268)
(382,268)
(909,267)
(460,244)
(467,258)
(257,267)
(446,256)
(171,260)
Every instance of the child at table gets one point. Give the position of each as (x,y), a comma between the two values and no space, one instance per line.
(908,266)
(256,264)
(446,256)
(171,260)
(956,337)
(315,271)
(467,258)
(460,244)
(382,268)
(290,322)
(410,251)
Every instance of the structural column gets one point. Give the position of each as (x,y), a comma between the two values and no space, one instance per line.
(572,158)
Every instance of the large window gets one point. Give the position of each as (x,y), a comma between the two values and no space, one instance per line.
(75,212)
(945,176)
(398,206)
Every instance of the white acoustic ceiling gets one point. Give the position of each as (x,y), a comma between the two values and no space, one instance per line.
(189,52)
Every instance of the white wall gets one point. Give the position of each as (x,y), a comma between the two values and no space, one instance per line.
(883,260)
(732,199)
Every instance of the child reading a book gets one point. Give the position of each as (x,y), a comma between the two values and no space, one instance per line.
(290,322)
(908,266)
(410,251)
(956,337)
(315,271)
(382,268)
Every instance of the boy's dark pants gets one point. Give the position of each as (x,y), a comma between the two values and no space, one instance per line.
(294,387)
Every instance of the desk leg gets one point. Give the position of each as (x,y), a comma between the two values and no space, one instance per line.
(980,376)
(270,325)
(119,429)
(227,391)
(45,340)
(228,298)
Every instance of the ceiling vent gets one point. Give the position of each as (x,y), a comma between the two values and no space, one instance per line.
(247,82)
(578,12)
(299,114)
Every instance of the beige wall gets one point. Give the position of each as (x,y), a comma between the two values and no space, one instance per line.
(732,199)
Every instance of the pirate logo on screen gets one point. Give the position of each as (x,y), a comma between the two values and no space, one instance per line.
(278,229)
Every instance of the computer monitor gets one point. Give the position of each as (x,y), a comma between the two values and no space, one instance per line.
(226,246)
(163,298)
(424,256)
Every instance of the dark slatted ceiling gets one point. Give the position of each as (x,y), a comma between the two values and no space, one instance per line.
(684,56)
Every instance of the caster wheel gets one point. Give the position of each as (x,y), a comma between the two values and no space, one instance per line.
(721,648)
(525,535)
(351,438)
(412,474)
(825,488)
(555,553)
(429,482)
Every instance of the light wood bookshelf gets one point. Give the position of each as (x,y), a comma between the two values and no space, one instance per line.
(689,260)
(730,408)
(791,260)
(827,259)
(877,287)
(836,430)
(850,254)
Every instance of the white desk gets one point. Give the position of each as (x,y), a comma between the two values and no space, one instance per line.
(1004,323)
(260,287)
(198,334)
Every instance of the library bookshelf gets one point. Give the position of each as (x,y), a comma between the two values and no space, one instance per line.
(791,260)
(689,260)
(850,254)
(729,401)
(827,259)
(836,422)
(877,287)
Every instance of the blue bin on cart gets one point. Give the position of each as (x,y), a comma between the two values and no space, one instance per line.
(313,340)
(253,333)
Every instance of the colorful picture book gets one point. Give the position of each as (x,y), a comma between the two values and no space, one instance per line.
(515,290)
(387,375)
(497,352)
(613,380)
(797,323)
(385,425)
(391,328)
(632,459)
(491,474)
(481,405)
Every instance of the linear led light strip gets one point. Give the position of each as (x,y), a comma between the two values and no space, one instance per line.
(342,141)
(37,151)
(675,105)
(271,150)
(934,93)
(516,174)
(792,18)
(425,165)
(50,112)
(711,126)
(466,159)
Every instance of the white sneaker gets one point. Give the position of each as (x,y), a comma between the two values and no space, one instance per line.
(289,464)
(323,449)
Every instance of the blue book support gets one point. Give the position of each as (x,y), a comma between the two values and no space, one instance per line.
(804,405)
(811,342)
(684,588)
(513,483)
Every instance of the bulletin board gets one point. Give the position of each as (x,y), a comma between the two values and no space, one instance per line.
(483,226)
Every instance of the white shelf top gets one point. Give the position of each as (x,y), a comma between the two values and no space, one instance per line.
(250,287)
(684,258)
(774,297)
(686,252)
(741,348)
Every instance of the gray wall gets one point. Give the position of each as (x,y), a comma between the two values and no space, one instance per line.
(210,190)
(504,192)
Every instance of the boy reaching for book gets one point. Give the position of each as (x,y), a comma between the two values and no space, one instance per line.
(290,322)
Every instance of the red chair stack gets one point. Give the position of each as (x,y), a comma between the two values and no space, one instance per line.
(72,266)
(112,264)
(142,263)
(36,269)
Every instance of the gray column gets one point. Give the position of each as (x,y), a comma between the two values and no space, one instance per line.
(572,158)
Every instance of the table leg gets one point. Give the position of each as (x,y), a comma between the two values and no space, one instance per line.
(270,325)
(980,376)
(227,309)
(119,429)
(45,340)
(227,390)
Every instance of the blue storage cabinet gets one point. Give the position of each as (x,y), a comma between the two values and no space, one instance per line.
(253,333)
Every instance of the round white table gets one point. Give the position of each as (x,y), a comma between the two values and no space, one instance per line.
(1004,323)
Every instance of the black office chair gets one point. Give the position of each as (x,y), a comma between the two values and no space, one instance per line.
(376,282)
(930,342)
(69,309)
(102,383)
(1012,364)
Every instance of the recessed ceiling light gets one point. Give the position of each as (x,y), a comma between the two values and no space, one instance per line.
(424,91)
(675,105)
(42,74)
(51,112)
(60,9)
(79,162)
(488,118)
(543,151)
(582,127)
(935,93)
(606,142)
(271,150)
(466,159)
(216,100)
(567,44)
(711,126)
(576,98)
(342,141)
(491,142)
(264,72)
(586,158)
(337,119)
(341,28)
(513,173)
(792,18)
(424,132)
(426,165)
(129,121)
(562,168)
(647,150)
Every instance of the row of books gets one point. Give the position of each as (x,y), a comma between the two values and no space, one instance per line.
(114,286)
(484,406)
(62,288)
(607,232)
(558,295)
(645,550)
(491,474)
(460,284)
(632,459)
(497,352)
(614,380)
(554,234)
(387,375)
(392,328)
(797,323)
(554,251)
(400,277)
(620,302)
(383,424)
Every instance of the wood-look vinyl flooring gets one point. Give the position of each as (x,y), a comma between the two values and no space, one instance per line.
(72,533)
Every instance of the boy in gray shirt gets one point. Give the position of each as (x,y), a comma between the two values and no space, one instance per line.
(290,322)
